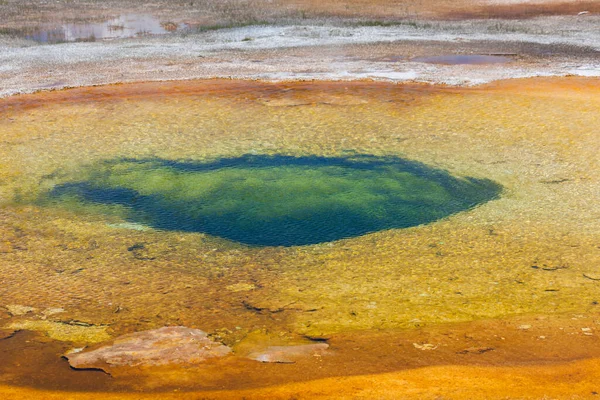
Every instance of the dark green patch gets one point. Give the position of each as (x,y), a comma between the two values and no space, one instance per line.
(275,200)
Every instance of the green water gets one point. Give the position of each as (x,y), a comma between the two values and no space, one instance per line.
(273,200)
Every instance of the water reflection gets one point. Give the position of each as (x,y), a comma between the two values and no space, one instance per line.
(457,59)
(124,26)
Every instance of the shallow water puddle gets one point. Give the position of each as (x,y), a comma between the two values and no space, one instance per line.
(124,26)
(458,59)
(120,160)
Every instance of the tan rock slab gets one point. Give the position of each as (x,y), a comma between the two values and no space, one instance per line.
(18,309)
(288,354)
(167,345)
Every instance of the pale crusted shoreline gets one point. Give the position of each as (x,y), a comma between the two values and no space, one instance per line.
(545,46)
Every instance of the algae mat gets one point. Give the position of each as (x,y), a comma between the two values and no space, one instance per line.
(534,250)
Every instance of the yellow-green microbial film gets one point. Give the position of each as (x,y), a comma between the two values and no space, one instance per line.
(531,250)
(277,200)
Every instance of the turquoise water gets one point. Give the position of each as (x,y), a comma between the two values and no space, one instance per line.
(264,200)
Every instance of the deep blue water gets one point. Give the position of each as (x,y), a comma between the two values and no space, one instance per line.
(262,200)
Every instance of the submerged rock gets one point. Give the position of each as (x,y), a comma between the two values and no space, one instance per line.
(288,354)
(70,331)
(241,287)
(168,345)
(52,311)
(17,309)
